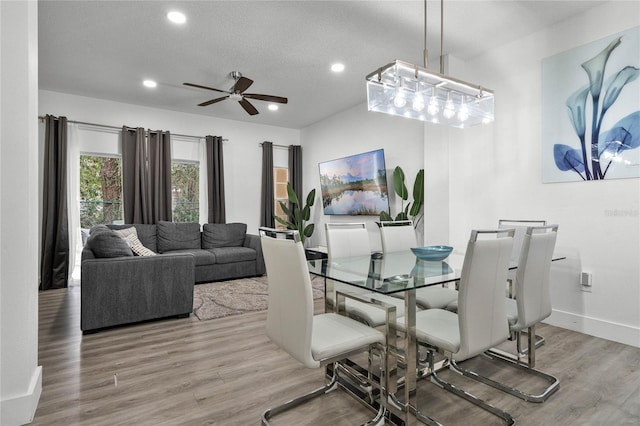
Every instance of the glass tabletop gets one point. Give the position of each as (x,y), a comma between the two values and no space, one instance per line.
(389,273)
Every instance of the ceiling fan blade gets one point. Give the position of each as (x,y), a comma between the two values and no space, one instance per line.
(248,107)
(213,101)
(268,98)
(242,84)
(205,87)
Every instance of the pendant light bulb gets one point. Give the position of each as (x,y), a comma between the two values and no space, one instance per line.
(399,100)
(418,102)
(449,109)
(463,113)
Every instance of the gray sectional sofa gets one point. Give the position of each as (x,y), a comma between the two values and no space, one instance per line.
(119,287)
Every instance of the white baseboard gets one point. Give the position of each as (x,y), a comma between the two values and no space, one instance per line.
(616,332)
(21,409)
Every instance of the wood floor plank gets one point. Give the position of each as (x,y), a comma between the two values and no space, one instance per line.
(227,372)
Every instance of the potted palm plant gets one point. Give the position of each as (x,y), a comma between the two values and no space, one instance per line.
(298,214)
(412,210)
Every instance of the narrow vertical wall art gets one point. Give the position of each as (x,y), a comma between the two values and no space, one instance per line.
(591,111)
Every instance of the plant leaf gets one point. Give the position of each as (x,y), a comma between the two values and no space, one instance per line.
(418,194)
(567,158)
(398,183)
(285,209)
(311,198)
(576,104)
(401,216)
(293,198)
(385,216)
(595,67)
(306,212)
(281,221)
(308,231)
(616,83)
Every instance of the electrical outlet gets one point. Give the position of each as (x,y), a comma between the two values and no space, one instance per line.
(586,281)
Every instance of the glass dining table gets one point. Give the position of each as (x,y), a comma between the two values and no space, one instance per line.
(397,274)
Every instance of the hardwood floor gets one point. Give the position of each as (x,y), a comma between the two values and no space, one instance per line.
(226,372)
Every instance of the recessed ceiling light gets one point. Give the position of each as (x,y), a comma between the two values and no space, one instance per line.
(177,17)
(337,67)
(150,83)
(273,107)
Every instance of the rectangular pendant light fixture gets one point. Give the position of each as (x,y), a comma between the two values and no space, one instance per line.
(408,90)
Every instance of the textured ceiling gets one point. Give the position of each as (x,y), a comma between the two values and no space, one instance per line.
(104,49)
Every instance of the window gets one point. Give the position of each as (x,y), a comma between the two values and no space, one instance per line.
(280,180)
(100,190)
(185,191)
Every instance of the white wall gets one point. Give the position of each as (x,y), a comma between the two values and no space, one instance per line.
(20,375)
(352,132)
(495,172)
(242,154)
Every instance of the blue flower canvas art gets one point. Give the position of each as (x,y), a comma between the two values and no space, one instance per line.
(591,111)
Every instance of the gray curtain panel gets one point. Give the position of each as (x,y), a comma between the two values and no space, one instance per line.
(146,175)
(267,201)
(54,260)
(136,199)
(295,170)
(160,175)
(215,180)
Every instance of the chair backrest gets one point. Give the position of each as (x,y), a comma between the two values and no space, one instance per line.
(518,237)
(397,236)
(347,239)
(290,311)
(532,277)
(481,302)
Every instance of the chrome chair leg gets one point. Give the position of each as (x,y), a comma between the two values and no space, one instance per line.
(332,385)
(378,420)
(508,419)
(554,383)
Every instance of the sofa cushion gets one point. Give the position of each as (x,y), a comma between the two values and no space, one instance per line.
(106,243)
(223,235)
(178,236)
(233,254)
(202,257)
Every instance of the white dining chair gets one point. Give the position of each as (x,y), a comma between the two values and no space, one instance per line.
(520,225)
(350,240)
(531,306)
(400,236)
(313,340)
(480,322)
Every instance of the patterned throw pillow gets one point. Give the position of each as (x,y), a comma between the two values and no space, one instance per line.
(130,235)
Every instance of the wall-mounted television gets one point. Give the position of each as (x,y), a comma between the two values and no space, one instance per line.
(355,185)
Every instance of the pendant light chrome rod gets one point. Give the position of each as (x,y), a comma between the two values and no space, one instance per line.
(441,36)
(424,52)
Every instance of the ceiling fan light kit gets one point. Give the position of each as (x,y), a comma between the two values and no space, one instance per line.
(236,93)
(407,90)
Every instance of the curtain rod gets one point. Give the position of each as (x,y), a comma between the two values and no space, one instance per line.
(275,145)
(106,126)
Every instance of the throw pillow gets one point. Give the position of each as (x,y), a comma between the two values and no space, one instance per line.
(108,244)
(216,235)
(130,235)
(124,232)
(178,236)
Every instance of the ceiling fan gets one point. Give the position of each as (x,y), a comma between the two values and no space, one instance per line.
(236,93)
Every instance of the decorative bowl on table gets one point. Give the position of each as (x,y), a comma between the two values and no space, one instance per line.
(432,253)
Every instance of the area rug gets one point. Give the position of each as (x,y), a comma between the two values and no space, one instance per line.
(234,297)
